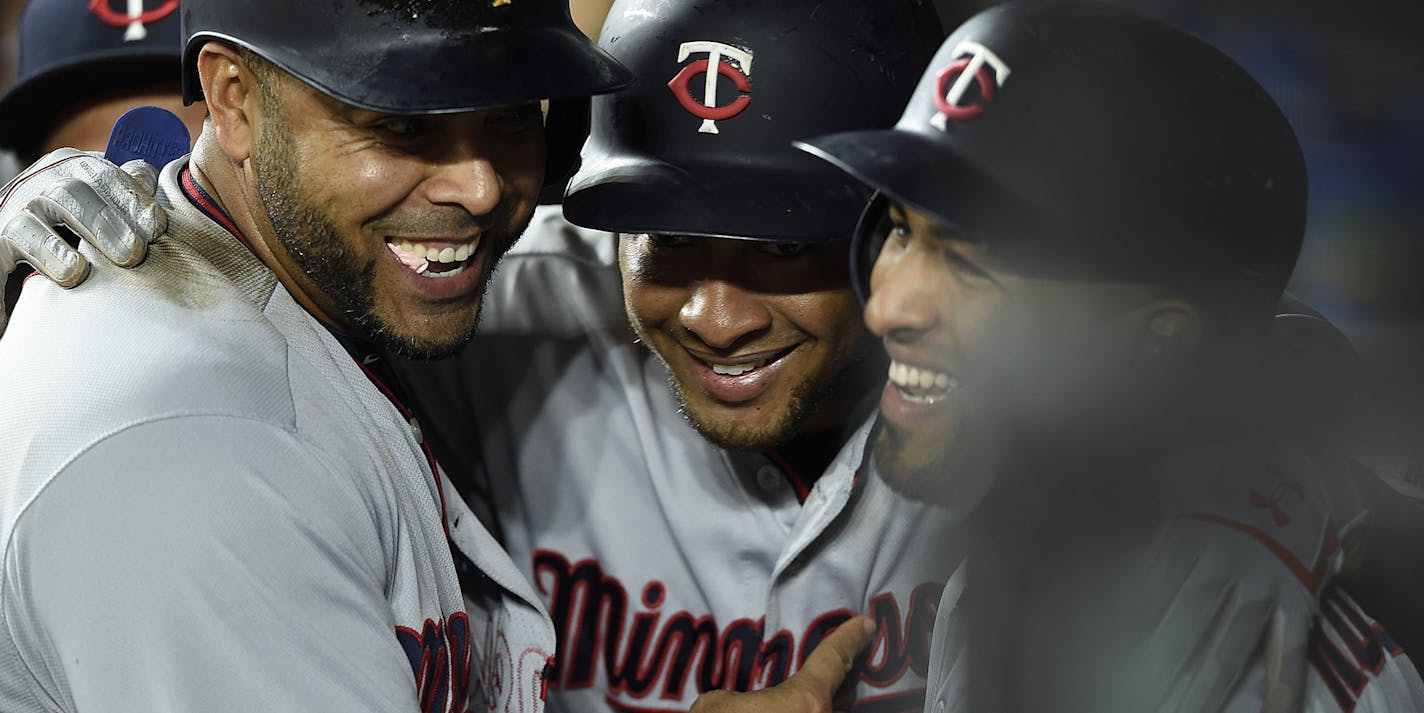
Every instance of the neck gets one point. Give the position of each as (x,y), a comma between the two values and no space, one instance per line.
(232,184)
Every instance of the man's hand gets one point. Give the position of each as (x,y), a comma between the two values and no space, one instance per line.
(809,690)
(109,207)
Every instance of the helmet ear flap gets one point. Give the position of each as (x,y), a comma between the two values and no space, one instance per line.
(869,237)
(565,130)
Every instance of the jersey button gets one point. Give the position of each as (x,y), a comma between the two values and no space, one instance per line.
(415,430)
(769,478)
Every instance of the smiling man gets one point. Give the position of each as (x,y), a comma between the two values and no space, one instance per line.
(689,495)
(238,501)
(1086,220)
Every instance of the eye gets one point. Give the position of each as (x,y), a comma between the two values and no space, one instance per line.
(786,249)
(898,231)
(401,126)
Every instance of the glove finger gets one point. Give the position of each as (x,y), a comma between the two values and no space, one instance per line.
(34,241)
(144,175)
(76,206)
(131,199)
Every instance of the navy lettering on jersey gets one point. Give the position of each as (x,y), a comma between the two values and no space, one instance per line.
(1367,646)
(645,651)
(440,659)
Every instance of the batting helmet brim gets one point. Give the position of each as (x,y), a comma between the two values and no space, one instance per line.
(918,172)
(806,203)
(441,73)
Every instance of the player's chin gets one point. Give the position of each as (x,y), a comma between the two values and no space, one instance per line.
(952,466)
(426,331)
(746,427)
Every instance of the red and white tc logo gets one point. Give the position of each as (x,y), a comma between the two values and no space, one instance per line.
(953,81)
(731,62)
(134,19)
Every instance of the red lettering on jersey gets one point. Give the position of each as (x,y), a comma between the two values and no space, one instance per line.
(440,660)
(646,652)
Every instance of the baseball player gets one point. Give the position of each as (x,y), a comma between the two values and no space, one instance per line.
(688,496)
(229,508)
(1085,220)
(82,65)
(678,556)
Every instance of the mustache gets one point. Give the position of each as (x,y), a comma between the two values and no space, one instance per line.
(437,221)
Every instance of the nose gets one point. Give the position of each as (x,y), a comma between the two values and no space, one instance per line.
(903,303)
(465,176)
(723,314)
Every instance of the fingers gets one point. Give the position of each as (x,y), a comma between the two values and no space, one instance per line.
(143,173)
(826,668)
(811,689)
(109,207)
(129,194)
(33,241)
(78,207)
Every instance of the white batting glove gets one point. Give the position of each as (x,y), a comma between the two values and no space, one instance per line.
(107,206)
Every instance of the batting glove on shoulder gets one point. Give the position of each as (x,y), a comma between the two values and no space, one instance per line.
(110,207)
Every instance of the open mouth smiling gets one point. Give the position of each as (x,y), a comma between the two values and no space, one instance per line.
(434,259)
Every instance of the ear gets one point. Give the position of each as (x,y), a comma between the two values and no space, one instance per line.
(233,97)
(1169,331)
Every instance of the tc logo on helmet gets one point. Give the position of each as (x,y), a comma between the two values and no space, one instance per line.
(134,18)
(953,82)
(719,61)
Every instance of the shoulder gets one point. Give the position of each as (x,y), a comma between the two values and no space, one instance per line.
(1270,495)
(183,489)
(122,358)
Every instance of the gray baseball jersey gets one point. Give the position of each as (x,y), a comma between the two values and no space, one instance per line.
(1225,606)
(207,505)
(670,566)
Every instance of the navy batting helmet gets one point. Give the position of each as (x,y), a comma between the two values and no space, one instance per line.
(414,56)
(701,145)
(1070,133)
(73,50)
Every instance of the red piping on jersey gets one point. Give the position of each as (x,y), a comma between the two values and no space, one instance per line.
(1312,578)
(209,207)
(797,482)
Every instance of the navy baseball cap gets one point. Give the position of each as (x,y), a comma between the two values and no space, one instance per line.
(71,50)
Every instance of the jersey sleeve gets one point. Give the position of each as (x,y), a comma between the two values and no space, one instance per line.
(204,564)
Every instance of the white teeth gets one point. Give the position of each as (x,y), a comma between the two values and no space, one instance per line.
(909,377)
(443,255)
(735,370)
